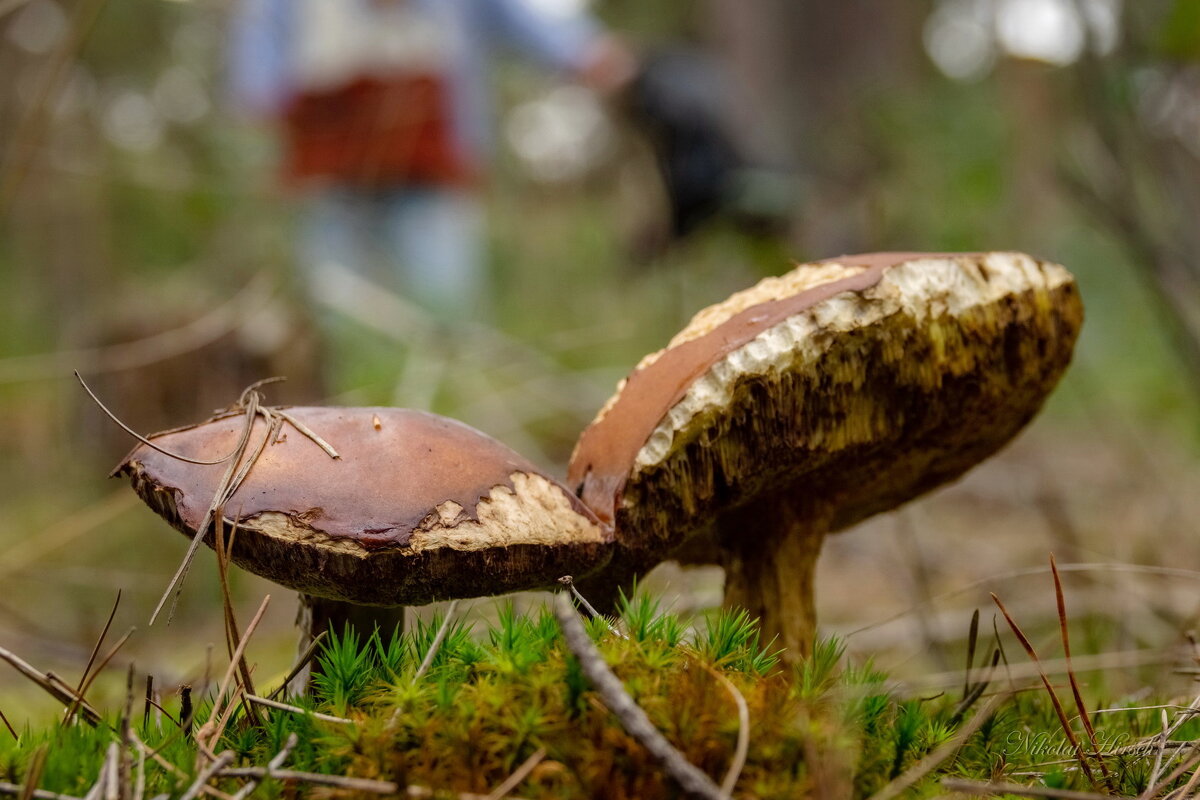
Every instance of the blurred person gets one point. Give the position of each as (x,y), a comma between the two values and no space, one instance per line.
(383,107)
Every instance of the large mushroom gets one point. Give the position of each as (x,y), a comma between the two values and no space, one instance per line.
(415,508)
(813,400)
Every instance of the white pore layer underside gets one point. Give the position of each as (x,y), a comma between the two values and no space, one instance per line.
(535,511)
(919,289)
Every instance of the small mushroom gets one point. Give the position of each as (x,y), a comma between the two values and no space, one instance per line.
(814,400)
(417,508)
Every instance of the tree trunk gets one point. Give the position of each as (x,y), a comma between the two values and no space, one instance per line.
(769,550)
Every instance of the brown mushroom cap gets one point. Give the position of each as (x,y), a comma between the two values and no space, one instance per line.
(858,382)
(417,508)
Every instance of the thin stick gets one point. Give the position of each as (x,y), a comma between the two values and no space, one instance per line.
(87,684)
(1183,767)
(988,789)
(232,637)
(520,774)
(139,784)
(930,762)
(274,764)
(207,774)
(143,439)
(112,776)
(123,764)
(33,774)
(589,609)
(1058,709)
(743,741)
(307,431)
(300,664)
(340,781)
(436,644)
(37,794)
(1076,694)
(57,691)
(1137,569)
(264,701)
(79,690)
(8,725)
(217,502)
(208,728)
(690,779)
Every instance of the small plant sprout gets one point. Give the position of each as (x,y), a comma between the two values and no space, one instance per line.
(812,401)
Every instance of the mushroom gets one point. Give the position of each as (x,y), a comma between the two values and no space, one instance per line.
(417,508)
(812,401)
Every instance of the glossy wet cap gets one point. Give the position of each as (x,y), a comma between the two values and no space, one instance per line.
(417,507)
(859,382)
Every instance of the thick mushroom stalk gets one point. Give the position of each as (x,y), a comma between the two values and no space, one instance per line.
(417,508)
(814,400)
(769,551)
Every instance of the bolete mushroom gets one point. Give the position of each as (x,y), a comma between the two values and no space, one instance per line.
(815,399)
(417,508)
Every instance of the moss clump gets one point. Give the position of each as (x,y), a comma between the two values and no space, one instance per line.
(821,728)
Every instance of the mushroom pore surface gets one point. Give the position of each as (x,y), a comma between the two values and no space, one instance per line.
(417,508)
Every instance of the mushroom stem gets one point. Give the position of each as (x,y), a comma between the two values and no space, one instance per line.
(769,550)
(318,614)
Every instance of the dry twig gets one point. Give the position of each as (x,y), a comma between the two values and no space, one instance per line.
(519,774)
(690,779)
(274,764)
(987,789)
(264,701)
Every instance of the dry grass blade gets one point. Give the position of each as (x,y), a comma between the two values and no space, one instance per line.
(210,733)
(218,501)
(633,719)
(301,663)
(61,693)
(742,749)
(947,750)
(33,773)
(972,638)
(207,774)
(87,684)
(232,637)
(36,794)
(8,725)
(519,774)
(1153,790)
(317,779)
(263,701)
(436,644)
(143,439)
(1058,709)
(1080,708)
(989,789)
(275,763)
(95,651)
(307,431)
(1119,659)
(1135,569)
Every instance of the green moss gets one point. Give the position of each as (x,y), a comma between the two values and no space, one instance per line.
(492,699)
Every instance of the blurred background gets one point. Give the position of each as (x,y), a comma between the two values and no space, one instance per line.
(635,162)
